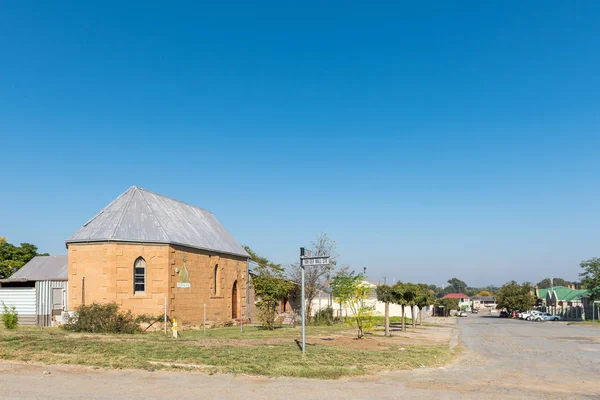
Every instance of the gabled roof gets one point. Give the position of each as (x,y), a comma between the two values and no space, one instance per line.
(42,268)
(141,216)
(456,296)
(563,293)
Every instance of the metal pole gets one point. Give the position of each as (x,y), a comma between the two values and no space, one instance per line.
(204,324)
(165,316)
(303,305)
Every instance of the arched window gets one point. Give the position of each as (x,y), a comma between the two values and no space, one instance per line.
(216,280)
(139,276)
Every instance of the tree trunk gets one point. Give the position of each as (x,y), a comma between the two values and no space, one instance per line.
(421,316)
(414,317)
(387,319)
(403,319)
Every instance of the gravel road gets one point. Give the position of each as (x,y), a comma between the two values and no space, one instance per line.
(502,359)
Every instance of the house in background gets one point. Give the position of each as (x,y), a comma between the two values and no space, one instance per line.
(325,299)
(145,249)
(484,302)
(566,301)
(463,299)
(38,290)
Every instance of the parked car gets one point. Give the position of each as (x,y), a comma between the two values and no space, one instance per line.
(462,314)
(475,311)
(546,317)
(533,315)
(503,314)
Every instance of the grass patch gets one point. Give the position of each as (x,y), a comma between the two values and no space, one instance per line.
(593,323)
(227,350)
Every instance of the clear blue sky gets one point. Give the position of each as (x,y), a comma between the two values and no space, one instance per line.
(430,141)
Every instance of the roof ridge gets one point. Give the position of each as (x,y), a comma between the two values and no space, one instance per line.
(171,198)
(155,216)
(135,188)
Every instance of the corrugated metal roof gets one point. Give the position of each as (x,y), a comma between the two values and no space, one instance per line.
(42,268)
(139,215)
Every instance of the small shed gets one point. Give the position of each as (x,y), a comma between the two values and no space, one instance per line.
(38,290)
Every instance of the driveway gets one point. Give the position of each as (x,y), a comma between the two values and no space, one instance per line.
(502,359)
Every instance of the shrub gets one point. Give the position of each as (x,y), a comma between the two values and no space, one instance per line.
(102,318)
(9,316)
(324,316)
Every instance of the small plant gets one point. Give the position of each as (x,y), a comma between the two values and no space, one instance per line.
(9,316)
(102,318)
(324,316)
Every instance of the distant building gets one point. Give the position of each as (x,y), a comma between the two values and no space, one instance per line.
(38,290)
(463,299)
(484,302)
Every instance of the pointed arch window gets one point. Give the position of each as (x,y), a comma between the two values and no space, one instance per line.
(139,276)
(215,280)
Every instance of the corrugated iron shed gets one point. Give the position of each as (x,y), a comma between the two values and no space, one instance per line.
(42,268)
(139,215)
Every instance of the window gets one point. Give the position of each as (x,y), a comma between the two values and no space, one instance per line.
(139,276)
(216,279)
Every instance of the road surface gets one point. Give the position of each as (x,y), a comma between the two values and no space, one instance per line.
(502,359)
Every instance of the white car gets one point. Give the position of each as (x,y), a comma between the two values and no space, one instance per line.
(462,314)
(532,315)
(546,317)
(524,314)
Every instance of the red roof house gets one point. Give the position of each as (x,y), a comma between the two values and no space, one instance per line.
(463,299)
(456,296)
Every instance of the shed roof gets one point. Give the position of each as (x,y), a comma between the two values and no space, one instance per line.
(139,215)
(42,268)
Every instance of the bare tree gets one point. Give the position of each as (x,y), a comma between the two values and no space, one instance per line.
(316,277)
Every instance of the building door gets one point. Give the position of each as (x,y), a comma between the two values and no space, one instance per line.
(234,301)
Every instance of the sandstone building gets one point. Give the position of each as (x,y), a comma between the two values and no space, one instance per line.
(144,247)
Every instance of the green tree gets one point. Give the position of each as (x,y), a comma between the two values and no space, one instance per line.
(515,297)
(348,288)
(405,294)
(455,285)
(386,296)
(446,304)
(426,297)
(12,257)
(590,277)
(484,293)
(548,283)
(270,286)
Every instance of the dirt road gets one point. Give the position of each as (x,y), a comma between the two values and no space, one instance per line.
(503,359)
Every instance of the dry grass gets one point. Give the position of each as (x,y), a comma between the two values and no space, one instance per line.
(331,352)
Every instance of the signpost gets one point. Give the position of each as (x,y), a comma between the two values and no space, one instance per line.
(308,261)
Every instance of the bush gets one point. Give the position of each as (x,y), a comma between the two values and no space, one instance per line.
(9,316)
(102,318)
(324,316)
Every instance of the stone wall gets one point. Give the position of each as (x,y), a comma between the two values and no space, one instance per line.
(108,272)
(187,304)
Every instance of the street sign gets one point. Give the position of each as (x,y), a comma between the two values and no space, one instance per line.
(310,261)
